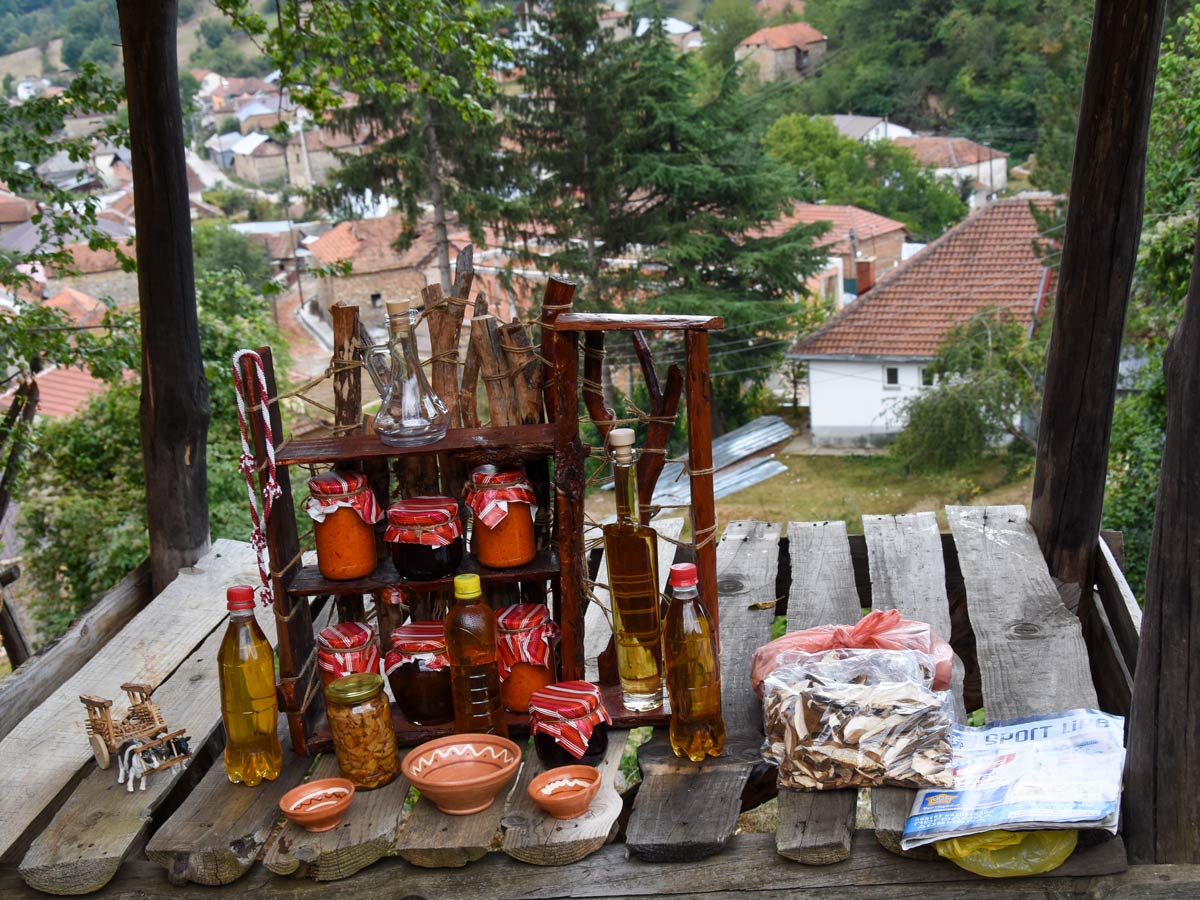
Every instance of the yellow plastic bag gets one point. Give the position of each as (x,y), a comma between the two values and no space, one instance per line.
(1007,854)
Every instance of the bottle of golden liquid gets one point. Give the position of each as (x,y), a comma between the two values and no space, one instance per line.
(474,669)
(632,553)
(246,668)
(693,671)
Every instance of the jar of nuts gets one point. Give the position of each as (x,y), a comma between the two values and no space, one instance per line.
(361,722)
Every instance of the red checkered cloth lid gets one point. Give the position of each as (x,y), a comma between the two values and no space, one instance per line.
(427,639)
(492,489)
(526,634)
(568,712)
(331,490)
(432,521)
(347,648)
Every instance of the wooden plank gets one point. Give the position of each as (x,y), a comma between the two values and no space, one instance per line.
(480,445)
(536,837)
(1111,676)
(36,679)
(815,827)
(431,839)
(103,822)
(364,837)
(1031,650)
(597,626)
(685,810)
(700,469)
(623,322)
(907,573)
(1124,613)
(219,829)
(43,753)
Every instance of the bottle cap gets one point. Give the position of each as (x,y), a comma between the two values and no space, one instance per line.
(240,596)
(467,587)
(354,687)
(397,313)
(620,442)
(683,575)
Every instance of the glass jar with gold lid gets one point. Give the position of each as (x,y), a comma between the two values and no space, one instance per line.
(360,719)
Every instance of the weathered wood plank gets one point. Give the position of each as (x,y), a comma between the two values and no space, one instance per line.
(43,753)
(365,836)
(1124,613)
(907,573)
(815,826)
(534,836)
(689,810)
(39,676)
(102,821)
(1031,650)
(597,627)
(1110,674)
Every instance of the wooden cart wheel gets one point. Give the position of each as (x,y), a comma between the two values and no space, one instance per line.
(100,751)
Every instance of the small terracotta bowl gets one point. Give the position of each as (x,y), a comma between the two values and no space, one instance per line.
(318,805)
(565,792)
(462,773)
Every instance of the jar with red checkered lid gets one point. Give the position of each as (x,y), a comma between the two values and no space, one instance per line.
(344,510)
(569,724)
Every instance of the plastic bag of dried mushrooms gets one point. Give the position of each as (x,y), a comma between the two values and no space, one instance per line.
(857,718)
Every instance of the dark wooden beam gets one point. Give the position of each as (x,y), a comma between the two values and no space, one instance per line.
(175,406)
(1104,221)
(1162,781)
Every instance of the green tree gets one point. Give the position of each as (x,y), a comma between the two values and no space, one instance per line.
(878,176)
(8,84)
(218,248)
(214,31)
(726,23)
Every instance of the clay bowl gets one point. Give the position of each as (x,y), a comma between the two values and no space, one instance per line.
(462,773)
(318,805)
(565,792)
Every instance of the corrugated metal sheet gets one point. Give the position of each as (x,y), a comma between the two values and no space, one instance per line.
(727,481)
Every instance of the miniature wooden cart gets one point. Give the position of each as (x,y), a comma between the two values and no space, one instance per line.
(144,722)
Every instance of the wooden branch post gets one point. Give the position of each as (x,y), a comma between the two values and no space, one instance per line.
(347,418)
(1162,781)
(704,507)
(1104,221)
(175,407)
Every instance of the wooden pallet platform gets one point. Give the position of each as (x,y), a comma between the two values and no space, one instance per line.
(676,831)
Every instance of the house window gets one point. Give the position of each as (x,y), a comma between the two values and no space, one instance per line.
(831,287)
(375,298)
(801,59)
(891,376)
(927,379)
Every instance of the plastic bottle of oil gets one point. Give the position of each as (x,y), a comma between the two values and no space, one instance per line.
(246,666)
(632,553)
(474,669)
(693,671)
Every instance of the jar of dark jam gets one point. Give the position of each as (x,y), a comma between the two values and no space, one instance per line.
(418,671)
(425,535)
(569,724)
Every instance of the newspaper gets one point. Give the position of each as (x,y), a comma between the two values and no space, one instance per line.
(1055,771)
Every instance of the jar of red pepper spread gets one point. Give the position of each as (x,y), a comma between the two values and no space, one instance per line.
(569,724)
(504,505)
(347,648)
(425,535)
(343,509)
(418,670)
(527,638)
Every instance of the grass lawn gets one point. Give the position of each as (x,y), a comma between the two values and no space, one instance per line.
(816,488)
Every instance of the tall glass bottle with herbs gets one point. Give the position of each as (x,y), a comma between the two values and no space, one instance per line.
(693,670)
(474,661)
(246,673)
(632,553)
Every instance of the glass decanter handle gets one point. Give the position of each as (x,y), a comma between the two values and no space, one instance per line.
(379,372)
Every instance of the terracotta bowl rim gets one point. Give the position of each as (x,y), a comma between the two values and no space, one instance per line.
(543,778)
(321,784)
(450,739)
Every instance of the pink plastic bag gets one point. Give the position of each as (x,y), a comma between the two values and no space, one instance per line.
(878,630)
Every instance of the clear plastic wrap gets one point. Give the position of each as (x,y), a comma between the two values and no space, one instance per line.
(857,718)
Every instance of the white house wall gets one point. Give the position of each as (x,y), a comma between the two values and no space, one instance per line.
(850,402)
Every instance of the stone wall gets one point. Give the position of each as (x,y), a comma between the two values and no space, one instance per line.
(394,284)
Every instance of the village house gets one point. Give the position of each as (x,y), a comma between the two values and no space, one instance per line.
(14,211)
(258,159)
(866,129)
(232,91)
(312,155)
(869,358)
(982,169)
(789,52)
(220,148)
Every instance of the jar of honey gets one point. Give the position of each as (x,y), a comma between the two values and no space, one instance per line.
(504,506)
(360,720)
(418,670)
(527,638)
(569,724)
(343,509)
(346,649)
(425,535)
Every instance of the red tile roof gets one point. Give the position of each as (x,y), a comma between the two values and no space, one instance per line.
(843,218)
(781,37)
(13,209)
(988,260)
(367,243)
(87,261)
(83,309)
(948,152)
(62,392)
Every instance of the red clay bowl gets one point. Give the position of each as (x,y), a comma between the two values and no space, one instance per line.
(565,792)
(462,773)
(318,805)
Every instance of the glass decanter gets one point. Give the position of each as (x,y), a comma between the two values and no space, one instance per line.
(411,413)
